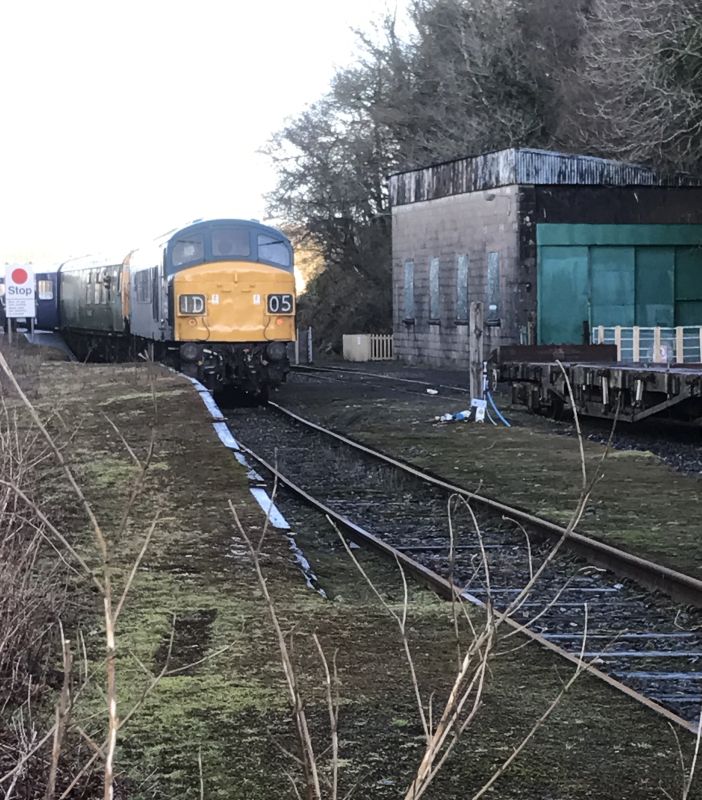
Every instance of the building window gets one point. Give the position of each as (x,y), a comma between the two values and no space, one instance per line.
(493,289)
(409,290)
(462,287)
(434,297)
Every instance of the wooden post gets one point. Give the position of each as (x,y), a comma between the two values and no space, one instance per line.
(475,352)
(636,344)
(618,341)
(679,346)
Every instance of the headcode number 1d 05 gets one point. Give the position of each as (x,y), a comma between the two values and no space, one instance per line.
(280,304)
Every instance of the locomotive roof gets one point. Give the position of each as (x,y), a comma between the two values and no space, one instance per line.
(118,257)
(213,223)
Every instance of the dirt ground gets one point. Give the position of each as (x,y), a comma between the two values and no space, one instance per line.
(639,503)
(196,585)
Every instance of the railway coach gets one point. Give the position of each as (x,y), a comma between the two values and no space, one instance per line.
(215,299)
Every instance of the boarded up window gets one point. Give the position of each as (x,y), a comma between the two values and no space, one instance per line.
(434,298)
(493,287)
(409,290)
(462,287)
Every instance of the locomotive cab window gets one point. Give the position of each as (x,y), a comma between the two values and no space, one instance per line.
(187,250)
(228,242)
(272,249)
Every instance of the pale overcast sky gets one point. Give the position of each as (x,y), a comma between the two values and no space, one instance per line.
(121,121)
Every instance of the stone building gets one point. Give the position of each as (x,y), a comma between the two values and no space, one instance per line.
(552,244)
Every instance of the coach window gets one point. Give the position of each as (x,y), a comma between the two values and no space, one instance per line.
(45,290)
(187,250)
(142,286)
(275,249)
(228,242)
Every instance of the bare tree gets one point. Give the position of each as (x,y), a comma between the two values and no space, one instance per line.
(637,90)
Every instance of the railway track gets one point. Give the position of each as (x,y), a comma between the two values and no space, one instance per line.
(411,385)
(640,641)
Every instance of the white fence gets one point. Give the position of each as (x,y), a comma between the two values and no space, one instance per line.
(681,345)
(368,347)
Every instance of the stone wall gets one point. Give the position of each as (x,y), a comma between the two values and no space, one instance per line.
(473,225)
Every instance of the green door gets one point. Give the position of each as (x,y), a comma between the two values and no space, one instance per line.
(562,285)
(688,286)
(655,272)
(612,277)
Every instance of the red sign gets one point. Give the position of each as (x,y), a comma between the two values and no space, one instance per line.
(19,275)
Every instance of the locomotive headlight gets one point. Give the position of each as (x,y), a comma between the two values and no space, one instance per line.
(276,351)
(191,304)
(190,351)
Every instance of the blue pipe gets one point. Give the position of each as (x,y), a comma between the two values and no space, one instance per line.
(497,410)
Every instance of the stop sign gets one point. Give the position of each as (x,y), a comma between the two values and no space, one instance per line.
(19,292)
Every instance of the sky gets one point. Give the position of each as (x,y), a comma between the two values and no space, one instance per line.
(121,121)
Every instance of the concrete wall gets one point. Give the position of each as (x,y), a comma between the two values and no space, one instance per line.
(474,224)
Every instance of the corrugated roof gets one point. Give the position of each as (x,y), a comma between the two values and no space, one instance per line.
(522,166)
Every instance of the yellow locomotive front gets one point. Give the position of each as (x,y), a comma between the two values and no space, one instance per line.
(231,298)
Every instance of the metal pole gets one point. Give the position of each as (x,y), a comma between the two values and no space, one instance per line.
(297,348)
(309,345)
(9,330)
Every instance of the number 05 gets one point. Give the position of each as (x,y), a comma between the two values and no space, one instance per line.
(280,303)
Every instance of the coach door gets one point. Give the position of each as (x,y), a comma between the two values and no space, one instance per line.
(159,300)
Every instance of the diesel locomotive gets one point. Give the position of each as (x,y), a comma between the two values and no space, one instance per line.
(215,300)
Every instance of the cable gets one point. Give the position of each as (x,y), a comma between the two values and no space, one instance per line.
(497,410)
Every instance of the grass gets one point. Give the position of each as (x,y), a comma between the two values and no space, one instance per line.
(232,708)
